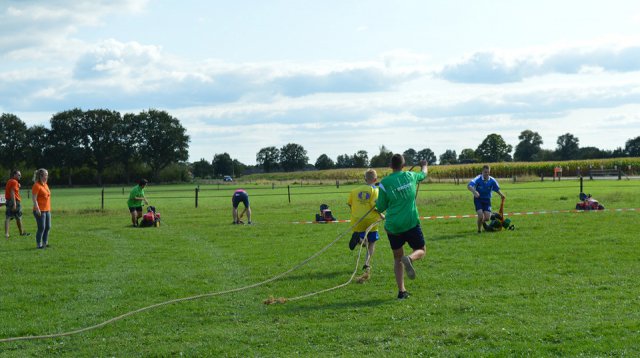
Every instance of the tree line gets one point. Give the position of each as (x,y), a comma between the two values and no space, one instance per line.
(492,149)
(102,146)
(86,146)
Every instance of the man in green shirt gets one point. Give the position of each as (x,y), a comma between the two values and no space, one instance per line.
(398,197)
(136,197)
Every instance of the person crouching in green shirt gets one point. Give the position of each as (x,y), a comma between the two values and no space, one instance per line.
(398,197)
(136,197)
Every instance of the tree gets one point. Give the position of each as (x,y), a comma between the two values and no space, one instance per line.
(66,138)
(130,140)
(529,145)
(425,154)
(239,168)
(344,161)
(324,162)
(382,159)
(222,165)
(202,169)
(268,158)
(293,157)
(361,159)
(448,157)
(410,156)
(467,155)
(38,139)
(13,140)
(568,146)
(98,137)
(632,147)
(591,153)
(494,149)
(164,141)
(618,153)
(544,155)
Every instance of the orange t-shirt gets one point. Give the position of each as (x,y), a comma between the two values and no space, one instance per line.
(43,196)
(12,185)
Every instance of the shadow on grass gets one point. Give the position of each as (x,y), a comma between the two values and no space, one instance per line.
(317,276)
(294,307)
(453,236)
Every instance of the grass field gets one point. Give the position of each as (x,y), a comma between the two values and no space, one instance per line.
(563,284)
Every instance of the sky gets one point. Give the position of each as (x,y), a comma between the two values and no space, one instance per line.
(335,76)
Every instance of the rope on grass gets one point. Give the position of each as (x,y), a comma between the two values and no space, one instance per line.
(190,298)
(361,279)
(365,276)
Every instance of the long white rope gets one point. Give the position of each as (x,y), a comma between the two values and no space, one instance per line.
(283,300)
(190,298)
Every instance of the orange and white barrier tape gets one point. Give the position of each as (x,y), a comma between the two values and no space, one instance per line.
(444,217)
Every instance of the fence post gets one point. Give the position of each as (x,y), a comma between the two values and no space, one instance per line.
(197,190)
(122,190)
(273,186)
(337,184)
(581,184)
(289,193)
(619,174)
(102,200)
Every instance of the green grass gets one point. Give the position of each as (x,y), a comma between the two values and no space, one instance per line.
(564,284)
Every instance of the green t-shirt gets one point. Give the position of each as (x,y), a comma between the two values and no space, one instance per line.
(398,197)
(136,192)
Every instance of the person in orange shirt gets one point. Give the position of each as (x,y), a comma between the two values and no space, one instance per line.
(14,209)
(41,206)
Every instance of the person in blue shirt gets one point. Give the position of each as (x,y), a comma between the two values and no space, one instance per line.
(481,187)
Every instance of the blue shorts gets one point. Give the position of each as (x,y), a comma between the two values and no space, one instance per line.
(240,197)
(372,236)
(482,204)
(413,237)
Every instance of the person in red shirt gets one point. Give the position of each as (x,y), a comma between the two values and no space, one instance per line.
(14,209)
(41,206)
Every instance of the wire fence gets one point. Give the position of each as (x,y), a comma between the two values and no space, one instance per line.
(198,193)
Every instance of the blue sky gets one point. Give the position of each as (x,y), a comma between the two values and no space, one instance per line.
(333,76)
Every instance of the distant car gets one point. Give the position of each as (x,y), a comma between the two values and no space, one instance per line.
(227,178)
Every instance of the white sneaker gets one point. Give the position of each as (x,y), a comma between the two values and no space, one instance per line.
(408,267)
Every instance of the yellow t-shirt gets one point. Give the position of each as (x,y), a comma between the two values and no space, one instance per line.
(361,200)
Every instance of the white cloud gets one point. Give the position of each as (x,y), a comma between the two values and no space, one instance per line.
(117,74)
(493,67)
(336,124)
(119,61)
(36,30)
(400,97)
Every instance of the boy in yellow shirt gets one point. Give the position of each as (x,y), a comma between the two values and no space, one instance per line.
(361,200)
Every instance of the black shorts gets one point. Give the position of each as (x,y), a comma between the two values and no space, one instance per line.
(413,237)
(240,197)
(135,208)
